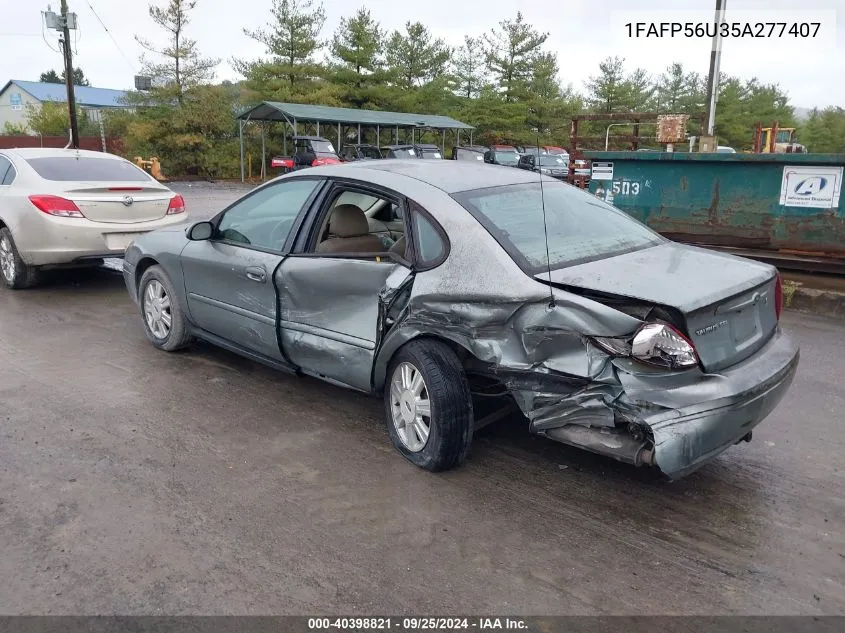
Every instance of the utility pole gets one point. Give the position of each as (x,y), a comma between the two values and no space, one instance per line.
(713,78)
(71,98)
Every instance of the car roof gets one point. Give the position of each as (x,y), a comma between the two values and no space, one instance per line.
(310,138)
(53,152)
(427,145)
(503,147)
(449,176)
(401,146)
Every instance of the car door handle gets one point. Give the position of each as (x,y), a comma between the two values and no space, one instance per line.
(256,273)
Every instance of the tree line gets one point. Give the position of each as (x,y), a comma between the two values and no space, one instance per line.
(506,82)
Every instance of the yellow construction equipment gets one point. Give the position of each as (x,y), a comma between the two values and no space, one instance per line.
(776,140)
(152,165)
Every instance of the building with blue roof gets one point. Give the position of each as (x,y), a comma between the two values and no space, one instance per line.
(16,94)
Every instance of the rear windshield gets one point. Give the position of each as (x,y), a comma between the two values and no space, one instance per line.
(84,168)
(552,161)
(322,147)
(370,152)
(404,153)
(507,157)
(581,227)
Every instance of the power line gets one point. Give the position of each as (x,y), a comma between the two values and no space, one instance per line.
(106,29)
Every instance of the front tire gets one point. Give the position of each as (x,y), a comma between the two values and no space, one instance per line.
(16,273)
(428,405)
(164,321)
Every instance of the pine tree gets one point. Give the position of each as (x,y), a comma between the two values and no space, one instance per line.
(468,67)
(415,57)
(510,54)
(183,66)
(291,40)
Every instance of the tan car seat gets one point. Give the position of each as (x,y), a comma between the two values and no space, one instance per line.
(349,232)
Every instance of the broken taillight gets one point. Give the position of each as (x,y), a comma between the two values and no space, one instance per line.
(656,344)
(662,345)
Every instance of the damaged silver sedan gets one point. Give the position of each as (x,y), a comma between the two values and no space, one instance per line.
(432,282)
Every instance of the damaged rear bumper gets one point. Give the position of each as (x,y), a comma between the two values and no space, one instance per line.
(679,420)
(691,435)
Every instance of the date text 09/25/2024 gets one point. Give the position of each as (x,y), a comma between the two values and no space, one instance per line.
(416,624)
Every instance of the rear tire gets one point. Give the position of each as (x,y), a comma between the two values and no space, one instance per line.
(428,405)
(15,272)
(161,312)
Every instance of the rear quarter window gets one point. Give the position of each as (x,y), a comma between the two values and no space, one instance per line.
(71,168)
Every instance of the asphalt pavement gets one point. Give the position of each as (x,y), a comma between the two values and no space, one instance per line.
(133,481)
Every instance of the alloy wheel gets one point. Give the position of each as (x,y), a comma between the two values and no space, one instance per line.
(157,309)
(410,407)
(7,258)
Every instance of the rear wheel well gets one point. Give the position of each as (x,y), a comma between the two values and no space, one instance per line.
(480,380)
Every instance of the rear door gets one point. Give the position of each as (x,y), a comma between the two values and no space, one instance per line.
(331,304)
(229,278)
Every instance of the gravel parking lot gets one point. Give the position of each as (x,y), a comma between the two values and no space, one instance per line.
(138,482)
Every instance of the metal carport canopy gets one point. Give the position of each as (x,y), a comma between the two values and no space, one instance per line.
(275,111)
(290,113)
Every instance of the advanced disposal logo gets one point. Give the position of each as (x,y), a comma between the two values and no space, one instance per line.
(816,187)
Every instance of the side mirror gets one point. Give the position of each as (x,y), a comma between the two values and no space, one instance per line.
(201,231)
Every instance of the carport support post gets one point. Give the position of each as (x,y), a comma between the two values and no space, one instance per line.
(359,134)
(338,137)
(263,162)
(318,131)
(378,136)
(241,139)
(470,137)
(443,142)
(396,136)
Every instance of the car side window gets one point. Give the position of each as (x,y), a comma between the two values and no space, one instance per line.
(7,172)
(431,247)
(265,218)
(9,178)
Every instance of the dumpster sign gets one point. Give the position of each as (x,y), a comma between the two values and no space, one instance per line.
(810,186)
(602,171)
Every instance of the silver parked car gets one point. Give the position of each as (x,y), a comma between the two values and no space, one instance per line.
(61,207)
(606,335)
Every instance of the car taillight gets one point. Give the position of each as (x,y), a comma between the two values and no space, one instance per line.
(656,344)
(177,205)
(56,205)
(662,345)
(778,296)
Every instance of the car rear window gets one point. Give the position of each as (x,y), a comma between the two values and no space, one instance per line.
(65,168)
(581,227)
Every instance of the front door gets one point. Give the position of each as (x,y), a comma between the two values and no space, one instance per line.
(229,278)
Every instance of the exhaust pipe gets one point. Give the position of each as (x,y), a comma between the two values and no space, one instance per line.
(605,441)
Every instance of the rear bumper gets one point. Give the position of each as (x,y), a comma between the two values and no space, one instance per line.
(715,412)
(47,240)
(684,419)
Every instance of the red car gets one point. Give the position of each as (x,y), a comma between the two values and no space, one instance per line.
(310,151)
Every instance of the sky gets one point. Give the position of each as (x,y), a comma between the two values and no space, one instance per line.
(582,33)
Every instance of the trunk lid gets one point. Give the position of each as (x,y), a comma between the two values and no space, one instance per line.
(728,302)
(121,203)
